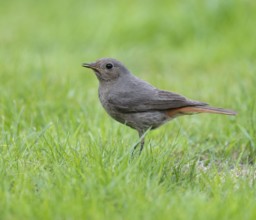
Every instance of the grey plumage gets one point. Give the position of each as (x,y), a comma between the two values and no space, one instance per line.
(136,103)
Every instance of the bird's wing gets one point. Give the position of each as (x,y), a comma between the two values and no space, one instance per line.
(149,99)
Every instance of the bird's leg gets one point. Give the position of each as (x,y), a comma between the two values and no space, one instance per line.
(134,148)
(142,139)
(141,144)
(141,136)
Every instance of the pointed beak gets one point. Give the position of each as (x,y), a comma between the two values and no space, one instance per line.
(87,65)
(92,66)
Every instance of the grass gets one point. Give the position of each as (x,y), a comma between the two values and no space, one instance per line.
(62,157)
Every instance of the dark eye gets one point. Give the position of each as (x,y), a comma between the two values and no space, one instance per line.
(109,66)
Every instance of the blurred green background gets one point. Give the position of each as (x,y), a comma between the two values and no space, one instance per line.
(62,157)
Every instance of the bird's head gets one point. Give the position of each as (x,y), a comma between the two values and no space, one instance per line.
(107,69)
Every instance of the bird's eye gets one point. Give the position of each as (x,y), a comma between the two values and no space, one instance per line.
(109,66)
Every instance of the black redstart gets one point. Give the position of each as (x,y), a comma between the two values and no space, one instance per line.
(136,103)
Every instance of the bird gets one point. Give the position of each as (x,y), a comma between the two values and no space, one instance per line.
(138,104)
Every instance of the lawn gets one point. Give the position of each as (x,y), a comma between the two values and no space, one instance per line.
(63,157)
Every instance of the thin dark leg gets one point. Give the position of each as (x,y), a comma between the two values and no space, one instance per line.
(142,141)
(141,145)
(142,137)
(141,133)
(134,149)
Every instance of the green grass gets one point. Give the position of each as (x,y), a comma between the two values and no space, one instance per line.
(63,157)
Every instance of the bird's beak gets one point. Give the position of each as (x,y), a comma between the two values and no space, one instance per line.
(87,65)
(90,65)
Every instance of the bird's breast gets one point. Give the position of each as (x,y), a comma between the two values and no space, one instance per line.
(103,96)
(109,108)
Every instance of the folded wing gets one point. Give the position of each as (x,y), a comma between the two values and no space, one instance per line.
(149,99)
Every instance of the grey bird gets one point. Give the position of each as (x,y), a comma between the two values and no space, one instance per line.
(136,103)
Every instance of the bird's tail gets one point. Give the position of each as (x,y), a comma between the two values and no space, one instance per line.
(200,109)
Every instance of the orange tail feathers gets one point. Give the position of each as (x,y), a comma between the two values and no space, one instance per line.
(199,109)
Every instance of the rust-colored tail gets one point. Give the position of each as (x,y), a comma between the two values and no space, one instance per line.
(199,109)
